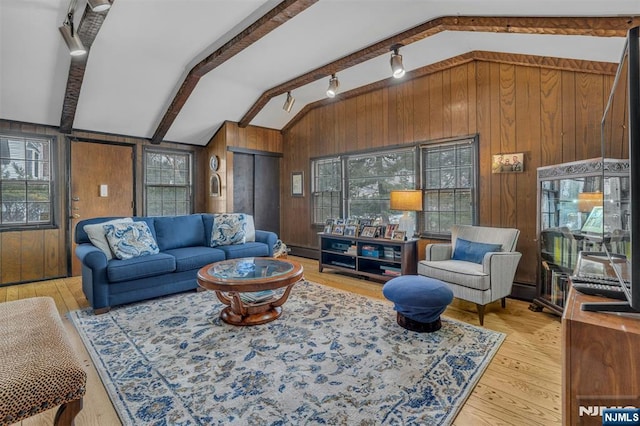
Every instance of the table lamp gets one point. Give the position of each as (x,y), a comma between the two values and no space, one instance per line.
(406,200)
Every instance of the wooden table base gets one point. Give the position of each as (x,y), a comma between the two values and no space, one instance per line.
(238,312)
(227,315)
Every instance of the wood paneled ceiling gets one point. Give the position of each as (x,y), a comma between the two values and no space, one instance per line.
(175,70)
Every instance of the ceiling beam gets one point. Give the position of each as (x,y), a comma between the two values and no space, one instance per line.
(87,31)
(563,64)
(589,26)
(277,16)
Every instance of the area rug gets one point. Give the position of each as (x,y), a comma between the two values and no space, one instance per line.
(332,358)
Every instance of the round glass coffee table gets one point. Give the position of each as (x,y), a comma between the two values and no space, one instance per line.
(246,286)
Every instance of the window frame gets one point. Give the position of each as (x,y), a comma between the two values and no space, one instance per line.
(52,183)
(315,192)
(474,189)
(190,175)
(344,199)
(347,201)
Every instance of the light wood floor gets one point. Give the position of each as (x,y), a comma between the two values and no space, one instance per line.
(521,386)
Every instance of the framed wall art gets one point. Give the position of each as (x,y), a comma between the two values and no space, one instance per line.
(215,189)
(297,184)
(507,163)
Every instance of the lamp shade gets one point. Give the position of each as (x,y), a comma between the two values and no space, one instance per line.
(588,200)
(408,200)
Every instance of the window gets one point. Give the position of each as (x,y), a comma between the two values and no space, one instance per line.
(25,181)
(449,175)
(370,179)
(167,183)
(326,189)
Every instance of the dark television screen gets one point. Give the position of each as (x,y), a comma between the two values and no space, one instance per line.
(621,140)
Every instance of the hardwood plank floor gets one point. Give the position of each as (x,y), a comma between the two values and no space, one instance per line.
(521,386)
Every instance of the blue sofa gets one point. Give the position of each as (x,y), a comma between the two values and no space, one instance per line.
(184,248)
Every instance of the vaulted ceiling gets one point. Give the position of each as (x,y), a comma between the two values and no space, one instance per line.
(175,70)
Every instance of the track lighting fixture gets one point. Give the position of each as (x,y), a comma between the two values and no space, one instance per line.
(70,36)
(99,5)
(333,86)
(396,63)
(288,103)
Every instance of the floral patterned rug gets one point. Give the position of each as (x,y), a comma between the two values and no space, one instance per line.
(332,358)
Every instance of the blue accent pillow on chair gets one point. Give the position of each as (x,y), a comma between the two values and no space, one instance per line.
(472,251)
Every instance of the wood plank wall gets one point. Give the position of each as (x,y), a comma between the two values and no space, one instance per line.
(41,254)
(550,115)
(232,136)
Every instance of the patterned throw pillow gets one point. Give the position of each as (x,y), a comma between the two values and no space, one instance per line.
(228,229)
(129,240)
(97,235)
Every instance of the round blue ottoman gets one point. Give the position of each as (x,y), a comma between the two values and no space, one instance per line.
(419,301)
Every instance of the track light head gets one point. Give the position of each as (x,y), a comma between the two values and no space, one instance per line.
(396,63)
(333,86)
(288,103)
(99,5)
(76,48)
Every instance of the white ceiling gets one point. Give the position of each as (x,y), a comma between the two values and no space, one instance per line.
(145,48)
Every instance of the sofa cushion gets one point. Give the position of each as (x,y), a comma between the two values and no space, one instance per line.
(188,258)
(98,235)
(467,274)
(472,251)
(129,240)
(228,228)
(140,267)
(245,250)
(179,231)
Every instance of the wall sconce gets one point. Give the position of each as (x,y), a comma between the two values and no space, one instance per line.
(409,200)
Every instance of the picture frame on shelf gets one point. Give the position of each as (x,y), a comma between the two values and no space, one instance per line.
(338,230)
(350,230)
(389,230)
(369,231)
(297,184)
(365,222)
(399,235)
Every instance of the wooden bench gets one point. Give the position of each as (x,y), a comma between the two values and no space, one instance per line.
(39,369)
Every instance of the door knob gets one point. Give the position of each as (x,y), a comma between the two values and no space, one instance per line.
(75,198)
(75,216)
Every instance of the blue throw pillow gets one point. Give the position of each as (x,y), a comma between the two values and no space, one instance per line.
(472,251)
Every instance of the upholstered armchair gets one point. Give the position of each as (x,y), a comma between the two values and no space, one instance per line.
(479,264)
